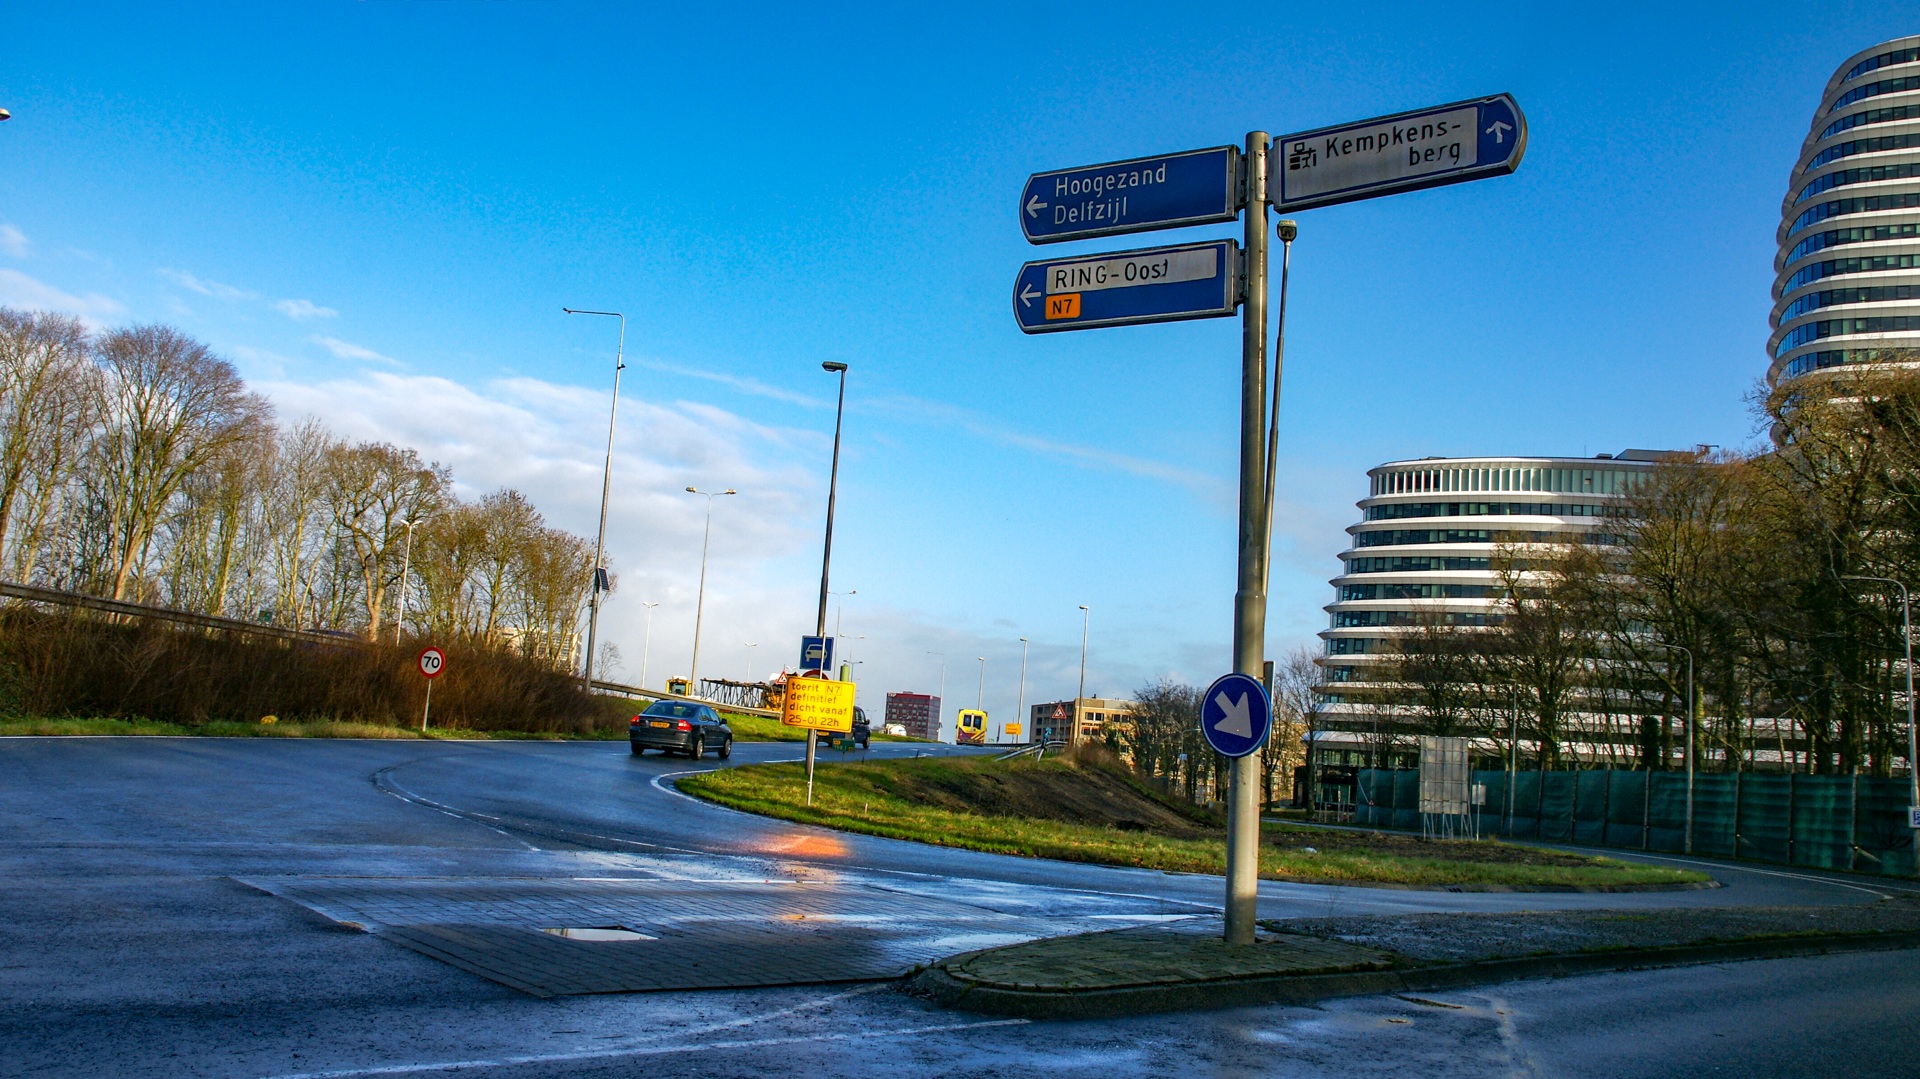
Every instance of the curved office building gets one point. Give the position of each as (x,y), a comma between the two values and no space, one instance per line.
(1423,552)
(1848,284)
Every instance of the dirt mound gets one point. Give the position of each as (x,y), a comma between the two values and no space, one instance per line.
(1087,788)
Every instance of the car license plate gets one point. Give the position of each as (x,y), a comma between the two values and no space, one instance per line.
(659,723)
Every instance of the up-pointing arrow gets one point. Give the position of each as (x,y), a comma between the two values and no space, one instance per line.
(1236,722)
(1499,131)
(1028,292)
(1034,206)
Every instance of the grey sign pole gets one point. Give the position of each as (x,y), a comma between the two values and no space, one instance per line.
(1250,599)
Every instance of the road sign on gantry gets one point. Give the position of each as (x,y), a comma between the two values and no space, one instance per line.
(1197,187)
(818,703)
(1235,715)
(1446,144)
(1126,288)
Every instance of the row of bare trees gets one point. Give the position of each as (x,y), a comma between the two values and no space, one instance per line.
(1161,737)
(136,464)
(1771,568)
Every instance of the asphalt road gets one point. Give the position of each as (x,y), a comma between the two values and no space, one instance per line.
(129,945)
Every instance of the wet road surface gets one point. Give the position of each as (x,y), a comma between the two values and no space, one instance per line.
(138,935)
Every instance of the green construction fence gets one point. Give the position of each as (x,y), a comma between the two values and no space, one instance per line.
(1856,823)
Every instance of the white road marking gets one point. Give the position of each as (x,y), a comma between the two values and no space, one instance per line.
(640,1051)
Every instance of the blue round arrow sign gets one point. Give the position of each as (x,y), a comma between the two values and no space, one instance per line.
(1235,715)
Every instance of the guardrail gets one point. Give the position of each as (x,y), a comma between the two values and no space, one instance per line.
(662,695)
(1039,750)
(34,594)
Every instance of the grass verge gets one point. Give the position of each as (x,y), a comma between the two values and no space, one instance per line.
(937,801)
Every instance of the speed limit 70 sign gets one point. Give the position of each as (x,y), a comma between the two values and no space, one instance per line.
(432,662)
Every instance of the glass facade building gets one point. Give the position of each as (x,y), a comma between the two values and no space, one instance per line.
(1847,276)
(1424,552)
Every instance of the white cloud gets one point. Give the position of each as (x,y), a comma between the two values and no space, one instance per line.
(1212,488)
(12,241)
(347,350)
(19,290)
(301,310)
(745,385)
(206,288)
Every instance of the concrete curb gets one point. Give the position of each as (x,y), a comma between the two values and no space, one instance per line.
(1677,886)
(955,992)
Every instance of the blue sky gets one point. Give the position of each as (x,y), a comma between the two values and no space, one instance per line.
(377,211)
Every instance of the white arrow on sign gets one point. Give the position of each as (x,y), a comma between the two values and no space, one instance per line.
(1237,721)
(1499,131)
(1034,205)
(1027,293)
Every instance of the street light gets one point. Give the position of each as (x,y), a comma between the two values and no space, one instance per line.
(406,564)
(1689,652)
(1913,737)
(606,486)
(833,367)
(648,646)
(840,609)
(1020,710)
(750,647)
(1085,619)
(939,720)
(1288,230)
(980,694)
(700,605)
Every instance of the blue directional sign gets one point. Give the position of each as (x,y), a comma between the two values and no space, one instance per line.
(1123,288)
(1235,715)
(1170,191)
(816,653)
(1446,144)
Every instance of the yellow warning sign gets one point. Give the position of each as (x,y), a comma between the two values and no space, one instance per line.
(819,703)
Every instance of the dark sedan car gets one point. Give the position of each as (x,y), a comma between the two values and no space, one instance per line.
(861,734)
(680,727)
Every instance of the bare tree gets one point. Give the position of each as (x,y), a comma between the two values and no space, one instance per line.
(47,403)
(373,489)
(171,407)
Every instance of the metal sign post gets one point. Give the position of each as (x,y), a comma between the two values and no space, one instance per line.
(1446,144)
(432,661)
(1250,598)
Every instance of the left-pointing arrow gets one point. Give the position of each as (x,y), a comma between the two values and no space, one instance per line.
(1034,205)
(1028,292)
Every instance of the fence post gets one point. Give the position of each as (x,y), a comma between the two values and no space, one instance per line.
(1737,789)
(1646,809)
(1853,820)
(1793,785)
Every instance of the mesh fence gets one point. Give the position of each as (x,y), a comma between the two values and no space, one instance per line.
(1828,822)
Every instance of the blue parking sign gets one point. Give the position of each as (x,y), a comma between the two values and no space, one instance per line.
(816,653)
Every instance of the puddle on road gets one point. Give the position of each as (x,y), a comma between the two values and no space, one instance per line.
(602,932)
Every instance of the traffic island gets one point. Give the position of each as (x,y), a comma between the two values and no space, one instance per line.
(1186,966)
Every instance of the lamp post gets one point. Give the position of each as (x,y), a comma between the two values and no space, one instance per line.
(938,719)
(700,604)
(606,487)
(1913,736)
(750,647)
(1287,230)
(1020,710)
(826,551)
(980,694)
(840,609)
(1086,619)
(1689,652)
(406,566)
(648,646)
